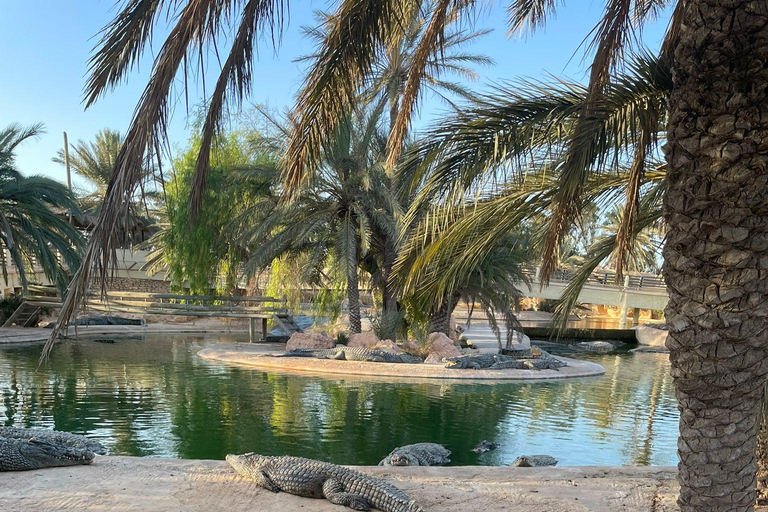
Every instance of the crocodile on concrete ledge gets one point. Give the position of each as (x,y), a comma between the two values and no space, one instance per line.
(352,354)
(23,449)
(419,454)
(315,479)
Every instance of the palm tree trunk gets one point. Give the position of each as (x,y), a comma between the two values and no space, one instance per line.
(389,296)
(716,253)
(762,453)
(353,291)
(440,319)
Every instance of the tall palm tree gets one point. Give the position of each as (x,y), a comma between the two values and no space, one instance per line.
(336,218)
(33,217)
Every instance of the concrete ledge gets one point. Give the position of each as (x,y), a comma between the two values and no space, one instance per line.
(260,356)
(146,485)
(21,335)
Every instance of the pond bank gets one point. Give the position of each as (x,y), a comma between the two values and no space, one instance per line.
(146,485)
(260,356)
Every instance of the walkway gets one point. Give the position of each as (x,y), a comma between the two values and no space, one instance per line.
(643,291)
(114,484)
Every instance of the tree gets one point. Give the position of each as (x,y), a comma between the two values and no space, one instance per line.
(94,161)
(33,217)
(335,217)
(241,181)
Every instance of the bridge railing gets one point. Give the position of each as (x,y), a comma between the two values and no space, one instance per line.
(605,278)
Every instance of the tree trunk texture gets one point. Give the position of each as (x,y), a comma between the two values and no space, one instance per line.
(762,454)
(440,319)
(716,254)
(389,297)
(353,291)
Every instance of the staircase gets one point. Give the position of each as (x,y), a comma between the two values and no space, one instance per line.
(287,324)
(25,315)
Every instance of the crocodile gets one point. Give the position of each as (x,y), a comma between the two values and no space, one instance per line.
(419,454)
(485,446)
(24,449)
(315,479)
(53,437)
(534,461)
(352,354)
(534,360)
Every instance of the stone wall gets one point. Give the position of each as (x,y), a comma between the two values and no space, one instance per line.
(132,284)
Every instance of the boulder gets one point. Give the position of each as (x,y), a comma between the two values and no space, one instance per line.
(438,347)
(309,340)
(363,339)
(652,336)
(389,346)
(520,341)
(342,325)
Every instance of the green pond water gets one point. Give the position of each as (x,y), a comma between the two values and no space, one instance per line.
(153,396)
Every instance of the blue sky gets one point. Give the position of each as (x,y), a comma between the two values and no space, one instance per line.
(45,46)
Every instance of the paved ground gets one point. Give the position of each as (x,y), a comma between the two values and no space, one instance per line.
(113,484)
(258,355)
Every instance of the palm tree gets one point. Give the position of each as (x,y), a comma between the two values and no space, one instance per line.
(389,73)
(94,161)
(33,217)
(336,219)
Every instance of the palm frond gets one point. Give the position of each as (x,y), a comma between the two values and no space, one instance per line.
(359,29)
(235,77)
(530,15)
(143,139)
(429,44)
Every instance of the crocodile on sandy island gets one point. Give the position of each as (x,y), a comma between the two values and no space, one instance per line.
(532,359)
(316,479)
(35,448)
(352,354)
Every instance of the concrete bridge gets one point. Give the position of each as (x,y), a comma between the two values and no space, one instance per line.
(636,291)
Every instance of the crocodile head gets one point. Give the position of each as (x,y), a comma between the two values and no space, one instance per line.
(522,462)
(248,464)
(450,362)
(40,454)
(403,459)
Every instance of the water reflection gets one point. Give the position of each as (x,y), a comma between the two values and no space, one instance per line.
(154,397)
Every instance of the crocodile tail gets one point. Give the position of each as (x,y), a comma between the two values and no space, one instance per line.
(413,507)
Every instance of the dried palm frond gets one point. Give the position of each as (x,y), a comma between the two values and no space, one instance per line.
(235,77)
(195,27)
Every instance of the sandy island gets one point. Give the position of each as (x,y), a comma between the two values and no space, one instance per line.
(260,355)
(137,484)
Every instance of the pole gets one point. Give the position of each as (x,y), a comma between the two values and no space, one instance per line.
(66,164)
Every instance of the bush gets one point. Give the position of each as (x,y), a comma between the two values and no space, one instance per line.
(7,306)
